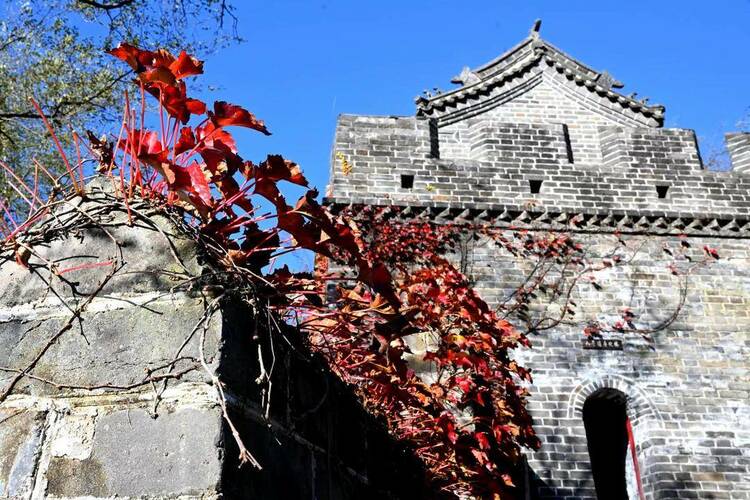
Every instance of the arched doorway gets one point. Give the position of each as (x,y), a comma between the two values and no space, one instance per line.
(605,418)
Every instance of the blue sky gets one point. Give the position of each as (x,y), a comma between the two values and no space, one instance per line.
(305,62)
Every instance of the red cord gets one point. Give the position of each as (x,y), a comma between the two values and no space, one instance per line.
(635,459)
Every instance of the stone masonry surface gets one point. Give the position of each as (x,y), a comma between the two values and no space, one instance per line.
(603,169)
(81,426)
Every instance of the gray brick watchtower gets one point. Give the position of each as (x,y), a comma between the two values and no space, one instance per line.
(538,140)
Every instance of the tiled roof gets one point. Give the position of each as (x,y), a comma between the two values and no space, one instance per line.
(532,52)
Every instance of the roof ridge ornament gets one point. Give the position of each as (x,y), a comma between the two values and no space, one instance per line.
(607,81)
(534,32)
(466,77)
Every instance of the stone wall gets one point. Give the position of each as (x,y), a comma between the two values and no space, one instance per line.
(60,440)
(115,402)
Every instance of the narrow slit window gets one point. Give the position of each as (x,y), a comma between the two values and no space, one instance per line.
(568,145)
(407,181)
(535,186)
(661,191)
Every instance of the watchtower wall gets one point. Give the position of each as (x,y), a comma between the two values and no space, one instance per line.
(688,390)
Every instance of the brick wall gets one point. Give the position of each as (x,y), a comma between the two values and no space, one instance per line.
(638,161)
(688,393)
(546,98)
(375,142)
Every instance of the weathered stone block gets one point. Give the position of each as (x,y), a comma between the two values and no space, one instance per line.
(108,346)
(132,454)
(20,446)
(152,252)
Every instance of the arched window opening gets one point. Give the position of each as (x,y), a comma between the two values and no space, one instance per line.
(605,419)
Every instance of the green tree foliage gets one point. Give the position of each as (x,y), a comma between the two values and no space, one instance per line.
(52,50)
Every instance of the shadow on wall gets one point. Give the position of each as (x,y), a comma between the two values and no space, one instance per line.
(538,488)
(320,442)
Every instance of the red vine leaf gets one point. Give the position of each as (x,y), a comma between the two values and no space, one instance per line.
(186,65)
(226,114)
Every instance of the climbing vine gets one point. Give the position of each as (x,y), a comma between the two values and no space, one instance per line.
(465,413)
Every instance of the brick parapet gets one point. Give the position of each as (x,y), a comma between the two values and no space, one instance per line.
(661,149)
(638,164)
(527,144)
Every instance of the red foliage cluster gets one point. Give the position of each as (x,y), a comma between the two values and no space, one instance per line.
(199,168)
(467,425)
(460,403)
(441,372)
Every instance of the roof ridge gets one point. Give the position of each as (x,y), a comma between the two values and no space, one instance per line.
(569,57)
(483,84)
(657,110)
(504,55)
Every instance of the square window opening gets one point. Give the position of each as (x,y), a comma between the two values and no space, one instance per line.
(407,181)
(661,191)
(535,186)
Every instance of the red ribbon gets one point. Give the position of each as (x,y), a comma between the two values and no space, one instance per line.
(635,459)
